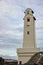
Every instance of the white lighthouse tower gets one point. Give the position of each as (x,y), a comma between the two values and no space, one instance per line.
(29,29)
(29,48)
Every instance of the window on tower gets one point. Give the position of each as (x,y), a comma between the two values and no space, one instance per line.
(34,18)
(32,12)
(28,32)
(27,12)
(28,19)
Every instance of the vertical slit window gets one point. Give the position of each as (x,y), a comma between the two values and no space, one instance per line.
(28,32)
(28,19)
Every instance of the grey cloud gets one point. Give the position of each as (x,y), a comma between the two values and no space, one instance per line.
(9,42)
(39,28)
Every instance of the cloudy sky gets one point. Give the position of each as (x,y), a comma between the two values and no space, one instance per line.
(12,24)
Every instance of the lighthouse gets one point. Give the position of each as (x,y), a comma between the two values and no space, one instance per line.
(29,44)
(29,29)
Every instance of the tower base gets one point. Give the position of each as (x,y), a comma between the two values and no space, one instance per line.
(24,54)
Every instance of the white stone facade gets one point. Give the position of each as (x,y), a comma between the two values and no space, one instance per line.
(29,48)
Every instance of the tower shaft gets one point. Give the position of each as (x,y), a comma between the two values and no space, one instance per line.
(29,31)
(29,49)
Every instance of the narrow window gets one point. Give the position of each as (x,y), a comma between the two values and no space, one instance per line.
(28,19)
(34,18)
(28,32)
(32,12)
(27,12)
